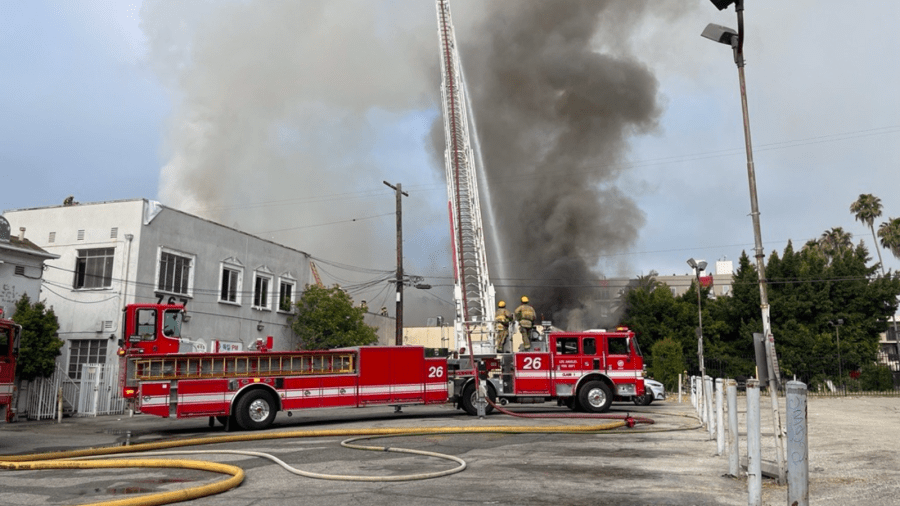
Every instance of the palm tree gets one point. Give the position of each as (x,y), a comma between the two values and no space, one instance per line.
(867,208)
(835,240)
(889,232)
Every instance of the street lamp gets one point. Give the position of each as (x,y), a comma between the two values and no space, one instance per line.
(699,266)
(837,334)
(735,39)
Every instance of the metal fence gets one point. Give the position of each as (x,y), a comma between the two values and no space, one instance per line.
(96,393)
(99,392)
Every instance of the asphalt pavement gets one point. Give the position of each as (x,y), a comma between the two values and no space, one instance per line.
(853,459)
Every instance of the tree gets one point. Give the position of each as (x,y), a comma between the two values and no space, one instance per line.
(326,318)
(667,362)
(867,208)
(835,241)
(889,232)
(39,345)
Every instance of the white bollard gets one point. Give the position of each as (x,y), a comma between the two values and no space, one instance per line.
(679,388)
(797,445)
(720,418)
(734,460)
(710,414)
(754,454)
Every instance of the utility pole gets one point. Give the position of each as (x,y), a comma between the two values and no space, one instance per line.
(398,340)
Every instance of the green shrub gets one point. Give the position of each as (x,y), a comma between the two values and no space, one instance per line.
(873,377)
(667,362)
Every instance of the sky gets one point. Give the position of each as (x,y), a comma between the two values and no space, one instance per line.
(285,119)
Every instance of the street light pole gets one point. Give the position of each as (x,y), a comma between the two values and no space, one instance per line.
(736,41)
(837,333)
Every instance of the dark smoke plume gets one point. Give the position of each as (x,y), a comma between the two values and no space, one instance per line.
(554,113)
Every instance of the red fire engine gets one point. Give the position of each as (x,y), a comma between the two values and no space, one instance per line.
(583,370)
(9,347)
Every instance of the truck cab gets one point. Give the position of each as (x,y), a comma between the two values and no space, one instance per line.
(584,370)
(152,329)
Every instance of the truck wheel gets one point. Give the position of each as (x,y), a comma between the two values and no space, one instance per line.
(572,403)
(595,397)
(255,410)
(470,397)
(643,400)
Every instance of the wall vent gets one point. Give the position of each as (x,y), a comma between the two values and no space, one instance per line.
(81,235)
(114,232)
(52,237)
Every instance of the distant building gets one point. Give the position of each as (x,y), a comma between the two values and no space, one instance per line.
(236,287)
(21,268)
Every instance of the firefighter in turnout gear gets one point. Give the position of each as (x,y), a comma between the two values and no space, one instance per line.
(503,318)
(525,316)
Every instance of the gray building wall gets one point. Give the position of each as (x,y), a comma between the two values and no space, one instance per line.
(138,231)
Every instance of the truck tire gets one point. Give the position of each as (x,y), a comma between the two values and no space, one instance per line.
(643,400)
(470,396)
(595,397)
(255,410)
(572,403)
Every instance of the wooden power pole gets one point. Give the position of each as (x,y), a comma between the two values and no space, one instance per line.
(398,340)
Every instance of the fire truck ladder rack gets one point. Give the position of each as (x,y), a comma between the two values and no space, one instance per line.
(243,365)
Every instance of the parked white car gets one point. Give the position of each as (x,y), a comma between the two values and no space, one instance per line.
(653,391)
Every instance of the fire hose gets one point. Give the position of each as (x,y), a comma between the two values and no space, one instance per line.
(66,459)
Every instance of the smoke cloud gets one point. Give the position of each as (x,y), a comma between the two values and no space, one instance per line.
(557,96)
(288,117)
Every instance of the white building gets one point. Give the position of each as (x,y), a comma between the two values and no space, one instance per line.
(234,285)
(21,268)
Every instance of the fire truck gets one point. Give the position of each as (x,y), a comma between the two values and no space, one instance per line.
(582,370)
(9,347)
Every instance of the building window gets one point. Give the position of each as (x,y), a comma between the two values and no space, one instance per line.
(85,351)
(231,285)
(261,285)
(286,295)
(93,268)
(174,273)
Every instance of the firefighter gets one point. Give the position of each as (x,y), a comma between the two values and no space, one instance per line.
(502,319)
(525,317)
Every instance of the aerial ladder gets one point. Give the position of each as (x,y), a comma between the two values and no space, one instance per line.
(315,273)
(473,291)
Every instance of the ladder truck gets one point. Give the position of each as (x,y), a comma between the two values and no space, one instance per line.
(582,370)
(9,349)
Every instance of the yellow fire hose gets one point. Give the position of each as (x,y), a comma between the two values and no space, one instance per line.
(54,460)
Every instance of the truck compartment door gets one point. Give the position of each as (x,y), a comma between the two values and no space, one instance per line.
(202,397)
(532,375)
(154,398)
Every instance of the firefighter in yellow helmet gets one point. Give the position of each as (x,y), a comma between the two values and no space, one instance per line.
(525,316)
(502,320)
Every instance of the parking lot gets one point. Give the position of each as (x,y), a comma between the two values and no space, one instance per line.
(853,459)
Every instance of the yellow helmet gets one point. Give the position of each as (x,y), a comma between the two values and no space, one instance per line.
(501,304)
(524,300)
